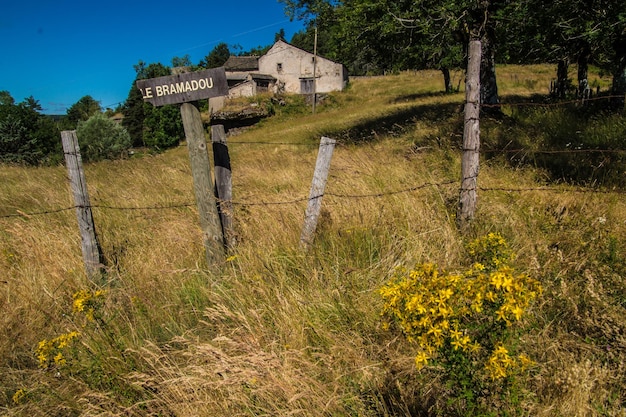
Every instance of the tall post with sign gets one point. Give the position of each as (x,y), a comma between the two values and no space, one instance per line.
(186,88)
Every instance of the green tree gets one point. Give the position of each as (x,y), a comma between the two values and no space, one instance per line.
(81,111)
(217,57)
(163,127)
(184,61)
(377,36)
(584,32)
(101,138)
(280,35)
(26,136)
(6,98)
(155,127)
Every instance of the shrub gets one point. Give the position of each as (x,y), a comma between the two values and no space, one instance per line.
(465,324)
(101,138)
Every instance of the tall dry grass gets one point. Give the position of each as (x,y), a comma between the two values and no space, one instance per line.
(280,331)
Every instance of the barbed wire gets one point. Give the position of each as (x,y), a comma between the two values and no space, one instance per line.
(554,190)
(556,103)
(21,213)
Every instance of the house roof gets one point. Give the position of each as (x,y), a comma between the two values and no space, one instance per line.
(242,63)
(284,43)
(235,76)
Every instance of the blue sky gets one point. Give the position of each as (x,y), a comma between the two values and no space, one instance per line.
(61,50)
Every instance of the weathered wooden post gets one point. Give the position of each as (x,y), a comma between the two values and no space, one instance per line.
(471,138)
(320,176)
(187,88)
(223,183)
(203,183)
(92,253)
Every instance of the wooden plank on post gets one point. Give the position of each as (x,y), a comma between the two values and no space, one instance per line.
(471,138)
(92,253)
(203,184)
(223,183)
(320,176)
(184,87)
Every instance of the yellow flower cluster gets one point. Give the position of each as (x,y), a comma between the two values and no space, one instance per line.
(85,301)
(501,364)
(443,312)
(490,250)
(503,291)
(51,351)
(19,394)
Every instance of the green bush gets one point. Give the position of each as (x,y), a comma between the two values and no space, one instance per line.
(101,138)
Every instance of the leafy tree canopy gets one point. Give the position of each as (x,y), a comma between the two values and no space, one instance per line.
(26,136)
(154,127)
(82,110)
(217,57)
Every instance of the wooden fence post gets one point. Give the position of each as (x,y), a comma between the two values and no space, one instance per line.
(92,253)
(223,183)
(202,184)
(322,166)
(471,138)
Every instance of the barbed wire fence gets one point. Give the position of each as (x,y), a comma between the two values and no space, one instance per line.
(7,213)
(22,213)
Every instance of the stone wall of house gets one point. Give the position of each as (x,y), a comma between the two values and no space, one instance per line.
(245,89)
(292,67)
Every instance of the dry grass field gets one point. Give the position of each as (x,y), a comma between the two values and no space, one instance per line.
(279,331)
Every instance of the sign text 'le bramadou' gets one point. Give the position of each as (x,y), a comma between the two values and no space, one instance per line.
(184,88)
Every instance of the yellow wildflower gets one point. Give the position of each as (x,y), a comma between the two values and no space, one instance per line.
(507,283)
(421,360)
(19,394)
(500,350)
(501,314)
(517,312)
(478,266)
(456,344)
(525,362)
(455,334)
(59,360)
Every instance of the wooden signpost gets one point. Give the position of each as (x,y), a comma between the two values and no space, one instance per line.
(186,88)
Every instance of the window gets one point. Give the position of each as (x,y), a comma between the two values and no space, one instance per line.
(306,85)
(279,67)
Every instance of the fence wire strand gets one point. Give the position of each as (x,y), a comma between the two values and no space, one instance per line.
(20,213)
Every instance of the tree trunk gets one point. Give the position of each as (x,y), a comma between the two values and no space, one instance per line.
(560,88)
(619,85)
(447,81)
(583,77)
(488,83)
(619,79)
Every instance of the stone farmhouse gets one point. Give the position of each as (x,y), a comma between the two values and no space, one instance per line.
(283,69)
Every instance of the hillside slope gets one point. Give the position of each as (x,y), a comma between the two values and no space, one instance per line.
(276,330)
